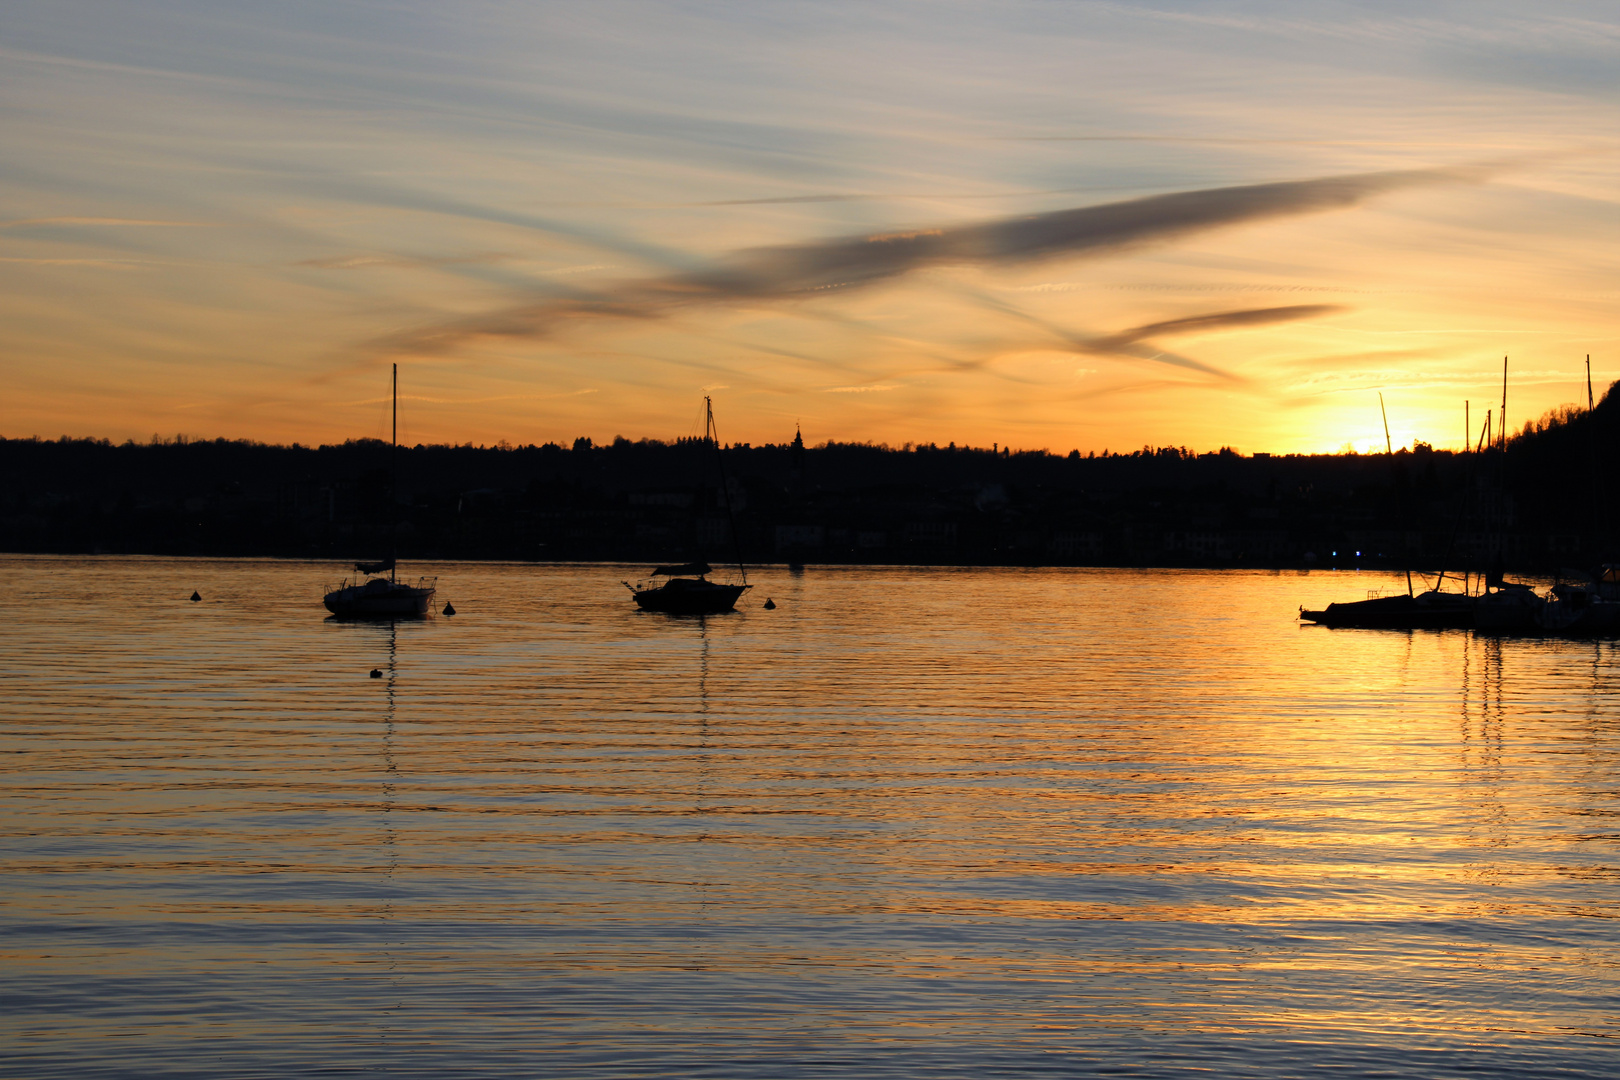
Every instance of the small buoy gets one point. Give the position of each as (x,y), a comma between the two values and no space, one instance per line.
(376,673)
(449,609)
(770,605)
(196,597)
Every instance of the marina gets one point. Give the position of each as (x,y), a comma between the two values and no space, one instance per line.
(1153,611)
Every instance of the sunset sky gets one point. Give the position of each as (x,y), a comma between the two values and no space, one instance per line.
(1060,225)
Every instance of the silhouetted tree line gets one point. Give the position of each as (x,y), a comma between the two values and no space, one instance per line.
(1540,503)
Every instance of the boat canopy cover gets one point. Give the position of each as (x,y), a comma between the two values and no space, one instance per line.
(684,570)
(375,567)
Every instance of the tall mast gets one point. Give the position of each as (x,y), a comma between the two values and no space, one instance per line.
(1462,502)
(710,431)
(393,492)
(1388,446)
(1591,456)
(1501,421)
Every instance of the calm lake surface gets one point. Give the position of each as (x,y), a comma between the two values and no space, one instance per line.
(912,823)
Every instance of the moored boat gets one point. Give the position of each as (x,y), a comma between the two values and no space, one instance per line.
(380,597)
(1431,610)
(1591,607)
(1512,607)
(688,590)
(369,595)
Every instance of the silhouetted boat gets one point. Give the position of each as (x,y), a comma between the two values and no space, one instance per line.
(380,597)
(1589,608)
(688,590)
(1568,609)
(1432,610)
(1510,608)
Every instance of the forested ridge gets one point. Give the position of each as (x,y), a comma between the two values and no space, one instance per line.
(1542,502)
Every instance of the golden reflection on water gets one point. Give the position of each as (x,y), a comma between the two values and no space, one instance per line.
(917,820)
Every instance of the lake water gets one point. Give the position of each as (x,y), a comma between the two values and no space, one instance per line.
(911,823)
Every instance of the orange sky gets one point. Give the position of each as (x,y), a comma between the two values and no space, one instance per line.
(227,221)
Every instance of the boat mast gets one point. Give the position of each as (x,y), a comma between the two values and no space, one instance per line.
(710,431)
(1502,420)
(1598,525)
(1462,504)
(393,493)
(1388,448)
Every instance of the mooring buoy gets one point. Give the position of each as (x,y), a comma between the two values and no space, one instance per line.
(376,673)
(770,605)
(449,609)
(196,596)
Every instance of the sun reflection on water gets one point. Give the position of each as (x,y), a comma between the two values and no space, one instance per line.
(914,821)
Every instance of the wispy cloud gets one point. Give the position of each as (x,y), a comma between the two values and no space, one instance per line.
(800,271)
(106,264)
(469,400)
(1134,343)
(373,262)
(1218,320)
(18,223)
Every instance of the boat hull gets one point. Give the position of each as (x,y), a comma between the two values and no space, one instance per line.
(1508,611)
(391,602)
(1572,617)
(680,597)
(1431,611)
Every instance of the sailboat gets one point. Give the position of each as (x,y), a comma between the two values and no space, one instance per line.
(380,597)
(1497,605)
(687,589)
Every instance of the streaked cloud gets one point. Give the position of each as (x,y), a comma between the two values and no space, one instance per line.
(1219,320)
(369,262)
(17,223)
(798,271)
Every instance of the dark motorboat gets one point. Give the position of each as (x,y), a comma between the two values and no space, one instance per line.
(383,597)
(687,592)
(1433,610)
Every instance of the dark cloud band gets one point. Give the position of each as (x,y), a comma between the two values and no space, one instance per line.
(1219,320)
(806,270)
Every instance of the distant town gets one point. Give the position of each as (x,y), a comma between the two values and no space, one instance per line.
(1537,501)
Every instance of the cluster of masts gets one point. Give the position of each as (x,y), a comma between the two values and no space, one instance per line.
(1493,434)
(1500,606)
